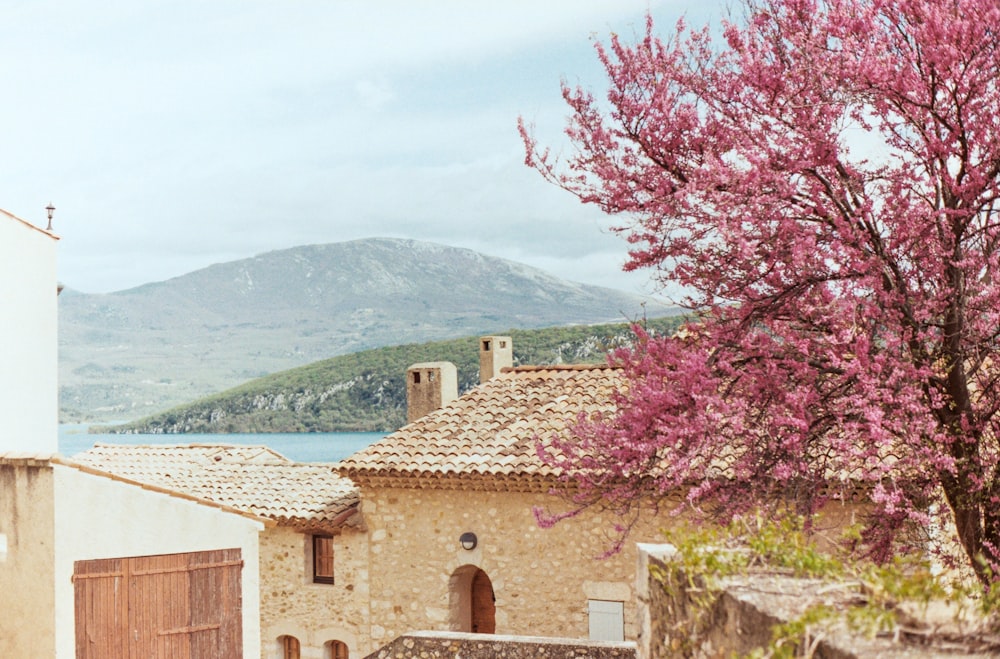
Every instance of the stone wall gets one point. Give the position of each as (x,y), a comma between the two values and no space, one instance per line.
(405,572)
(448,645)
(707,617)
(291,604)
(542,578)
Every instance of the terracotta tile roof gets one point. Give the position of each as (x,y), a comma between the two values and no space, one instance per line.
(47,460)
(254,479)
(486,438)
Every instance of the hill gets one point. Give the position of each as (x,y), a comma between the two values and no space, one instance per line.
(135,352)
(367,390)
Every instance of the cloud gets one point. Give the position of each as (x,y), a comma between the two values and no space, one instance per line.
(374,95)
(171,135)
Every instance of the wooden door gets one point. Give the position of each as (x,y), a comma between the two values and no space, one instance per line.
(483,604)
(101,608)
(175,606)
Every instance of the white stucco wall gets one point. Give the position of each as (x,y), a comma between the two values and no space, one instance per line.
(29,404)
(96,517)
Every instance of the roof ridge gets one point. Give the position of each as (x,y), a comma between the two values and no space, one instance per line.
(529,368)
(169,491)
(189,444)
(275,489)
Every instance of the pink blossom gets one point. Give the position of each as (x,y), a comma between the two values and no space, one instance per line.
(823,182)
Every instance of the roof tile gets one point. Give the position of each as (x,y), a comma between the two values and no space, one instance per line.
(492,429)
(253,479)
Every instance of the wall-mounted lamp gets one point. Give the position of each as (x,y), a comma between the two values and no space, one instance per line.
(469,540)
(50,209)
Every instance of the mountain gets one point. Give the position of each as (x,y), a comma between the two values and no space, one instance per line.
(131,353)
(366,390)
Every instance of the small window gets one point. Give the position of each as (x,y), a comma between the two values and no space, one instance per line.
(607,620)
(290,648)
(430,376)
(416,377)
(335,650)
(322,559)
(486,346)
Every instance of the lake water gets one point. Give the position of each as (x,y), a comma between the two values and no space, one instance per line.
(301,447)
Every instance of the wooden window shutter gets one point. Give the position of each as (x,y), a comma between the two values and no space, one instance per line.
(336,650)
(322,559)
(290,648)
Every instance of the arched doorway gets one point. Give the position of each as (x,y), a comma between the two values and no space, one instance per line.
(484,610)
(472,602)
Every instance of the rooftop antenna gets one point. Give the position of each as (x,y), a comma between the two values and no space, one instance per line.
(51,209)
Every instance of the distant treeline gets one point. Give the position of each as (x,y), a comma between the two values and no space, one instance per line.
(366,391)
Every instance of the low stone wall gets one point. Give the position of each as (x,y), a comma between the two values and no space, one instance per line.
(690,616)
(450,645)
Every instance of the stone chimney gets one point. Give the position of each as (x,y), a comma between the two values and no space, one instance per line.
(495,353)
(429,386)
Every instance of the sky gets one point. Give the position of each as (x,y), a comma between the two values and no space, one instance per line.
(171,135)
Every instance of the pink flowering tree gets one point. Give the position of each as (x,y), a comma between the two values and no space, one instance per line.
(821,179)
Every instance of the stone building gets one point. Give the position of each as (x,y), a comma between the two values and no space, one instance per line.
(448,502)
(449,505)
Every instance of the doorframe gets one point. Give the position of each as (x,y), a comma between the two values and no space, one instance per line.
(460,597)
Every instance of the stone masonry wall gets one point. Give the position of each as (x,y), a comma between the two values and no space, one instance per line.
(291,604)
(542,578)
(723,616)
(448,645)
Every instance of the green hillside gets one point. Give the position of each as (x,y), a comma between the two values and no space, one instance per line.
(366,391)
(138,352)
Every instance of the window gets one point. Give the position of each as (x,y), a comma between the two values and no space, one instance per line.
(416,377)
(322,558)
(335,650)
(607,620)
(290,648)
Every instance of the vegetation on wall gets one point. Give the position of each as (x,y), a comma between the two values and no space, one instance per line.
(909,600)
(366,391)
